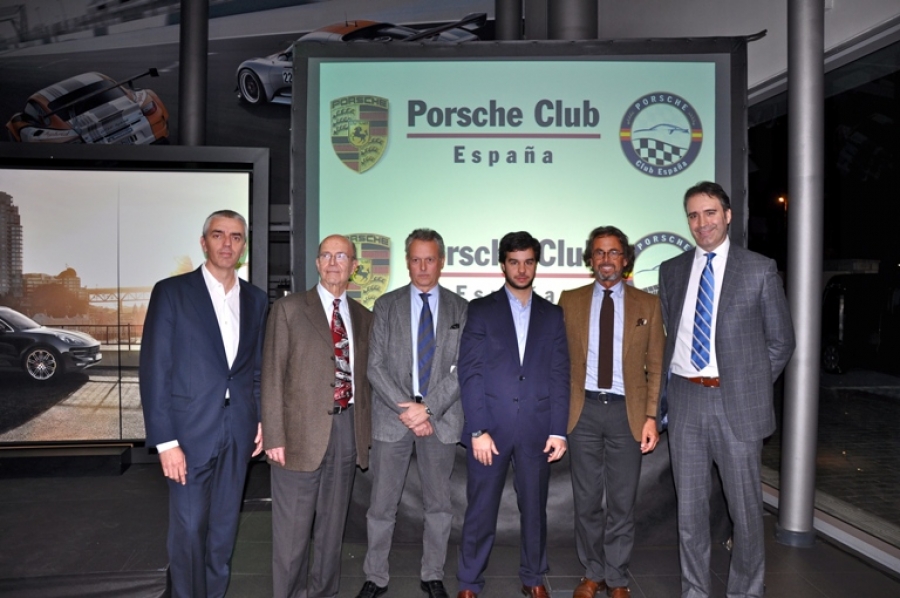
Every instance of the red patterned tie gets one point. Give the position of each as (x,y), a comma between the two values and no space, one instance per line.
(343,385)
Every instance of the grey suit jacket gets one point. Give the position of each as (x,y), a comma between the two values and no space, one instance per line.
(391,367)
(298,380)
(754,335)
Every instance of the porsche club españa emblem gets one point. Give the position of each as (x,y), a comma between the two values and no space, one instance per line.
(370,280)
(359,130)
(661,134)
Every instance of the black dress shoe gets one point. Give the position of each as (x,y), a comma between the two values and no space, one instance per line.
(434,589)
(370,590)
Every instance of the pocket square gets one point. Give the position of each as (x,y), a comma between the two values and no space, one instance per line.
(642,322)
(454,326)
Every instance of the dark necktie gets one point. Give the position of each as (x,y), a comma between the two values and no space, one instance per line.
(343,382)
(700,343)
(605,353)
(425,344)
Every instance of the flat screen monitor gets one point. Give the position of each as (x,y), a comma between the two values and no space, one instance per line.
(85,233)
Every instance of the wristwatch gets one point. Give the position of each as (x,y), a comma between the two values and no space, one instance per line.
(421,400)
(478,433)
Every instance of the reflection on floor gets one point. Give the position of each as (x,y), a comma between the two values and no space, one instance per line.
(858,453)
(62,535)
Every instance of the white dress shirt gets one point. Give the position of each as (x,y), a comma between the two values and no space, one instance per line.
(681,359)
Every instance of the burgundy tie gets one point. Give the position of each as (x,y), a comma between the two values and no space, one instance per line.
(343,385)
(605,353)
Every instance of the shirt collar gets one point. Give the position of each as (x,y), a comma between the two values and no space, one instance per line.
(213,284)
(617,289)
(720,251)
(512,298)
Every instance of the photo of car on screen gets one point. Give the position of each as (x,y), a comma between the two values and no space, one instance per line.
(269,79)
(92,108)
(43,353)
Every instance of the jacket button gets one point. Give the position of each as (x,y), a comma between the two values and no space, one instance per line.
(331,385)
(521,378)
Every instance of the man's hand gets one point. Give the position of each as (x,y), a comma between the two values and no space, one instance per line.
(424,429)
(414,415)
(484,449)
(555,448)
(174,465)
(276,455)
(649,436)
(258,440)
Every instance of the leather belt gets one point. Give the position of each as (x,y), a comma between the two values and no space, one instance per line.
(337,410)
(705,381)
(602,395)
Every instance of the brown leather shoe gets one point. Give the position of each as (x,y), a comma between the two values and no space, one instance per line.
(466,594)
(619,593)
(588,587)
(535,591)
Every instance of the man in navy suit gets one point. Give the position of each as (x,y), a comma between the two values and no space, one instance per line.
(201,357)
(729,336)
(514,381)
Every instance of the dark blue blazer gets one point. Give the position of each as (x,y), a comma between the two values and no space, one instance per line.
(184,372)
(502,396)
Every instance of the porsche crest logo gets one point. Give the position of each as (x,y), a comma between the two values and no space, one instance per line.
(359,130)
(370,280)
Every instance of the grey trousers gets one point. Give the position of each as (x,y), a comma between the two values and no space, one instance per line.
(700,435)
(606,467)
(389,462)
(313,505)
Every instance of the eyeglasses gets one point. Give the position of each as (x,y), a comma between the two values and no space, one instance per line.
(339,257)
(611,254)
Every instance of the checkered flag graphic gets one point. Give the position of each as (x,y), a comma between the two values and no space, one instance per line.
(659,153)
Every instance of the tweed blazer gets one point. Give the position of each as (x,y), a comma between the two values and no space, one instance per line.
(390,366)
(754,335)
(298,380)
(643,341)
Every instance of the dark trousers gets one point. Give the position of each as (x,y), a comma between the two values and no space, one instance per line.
(203,521)
(606,469)
(313,505)
(484,488)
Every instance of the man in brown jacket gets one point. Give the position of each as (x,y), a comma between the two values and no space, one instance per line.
(317,422)
(616,342)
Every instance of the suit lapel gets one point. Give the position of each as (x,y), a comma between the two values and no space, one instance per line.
(206,312)
(321,322)
(535,321)
(730,280)
(678,283)
(442,326)
(628,320)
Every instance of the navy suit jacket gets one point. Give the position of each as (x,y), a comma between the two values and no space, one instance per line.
(184,372)
(499,394)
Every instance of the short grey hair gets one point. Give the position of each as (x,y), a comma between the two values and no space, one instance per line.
(426,234)
(225,214)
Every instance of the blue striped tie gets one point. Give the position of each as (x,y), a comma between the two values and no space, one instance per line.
(700,344)
(425,344)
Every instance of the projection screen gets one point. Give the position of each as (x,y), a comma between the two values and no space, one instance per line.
(479,139)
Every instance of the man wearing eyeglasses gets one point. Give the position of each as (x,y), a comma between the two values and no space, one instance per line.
(616,342)
(316,421)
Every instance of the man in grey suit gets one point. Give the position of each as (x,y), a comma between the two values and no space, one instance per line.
(729,337)
(316,422)
(415,403)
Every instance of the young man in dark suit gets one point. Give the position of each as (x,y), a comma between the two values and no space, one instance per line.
(514,381)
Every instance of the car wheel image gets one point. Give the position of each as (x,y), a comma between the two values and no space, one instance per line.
(251,87)
(831,358)
(43,364)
